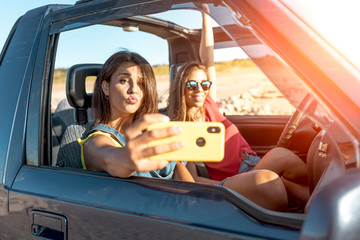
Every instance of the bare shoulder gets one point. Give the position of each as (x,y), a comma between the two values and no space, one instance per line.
(99,140)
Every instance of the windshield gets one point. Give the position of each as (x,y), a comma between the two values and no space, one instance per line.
(281,75)
(334,24)
(286,78)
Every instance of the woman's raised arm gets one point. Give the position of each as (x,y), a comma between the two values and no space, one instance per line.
(206,52)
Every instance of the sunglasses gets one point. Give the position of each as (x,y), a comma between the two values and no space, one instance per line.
(192,85)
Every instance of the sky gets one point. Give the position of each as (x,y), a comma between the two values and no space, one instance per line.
(11,10)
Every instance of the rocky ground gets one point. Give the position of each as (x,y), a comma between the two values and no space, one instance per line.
(247,93)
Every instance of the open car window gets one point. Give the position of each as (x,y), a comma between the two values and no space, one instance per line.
(96,50)
(265,83)
(255,94)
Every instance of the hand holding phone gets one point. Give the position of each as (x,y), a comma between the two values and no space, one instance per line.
(203,141)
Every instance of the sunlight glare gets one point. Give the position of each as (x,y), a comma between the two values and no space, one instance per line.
(335,21)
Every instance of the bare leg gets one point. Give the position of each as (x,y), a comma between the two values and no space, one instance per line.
(286,164)
(298,195)
(263,187)
(291,168)
(182,173)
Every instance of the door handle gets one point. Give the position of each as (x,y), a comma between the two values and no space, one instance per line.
(48,225)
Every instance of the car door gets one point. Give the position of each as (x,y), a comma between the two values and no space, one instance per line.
(261,132)
(44,201)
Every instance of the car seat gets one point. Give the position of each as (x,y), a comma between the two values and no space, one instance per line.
(174,68)
(325,163)
(69,154)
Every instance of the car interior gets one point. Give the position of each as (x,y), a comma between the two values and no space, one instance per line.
(298,132)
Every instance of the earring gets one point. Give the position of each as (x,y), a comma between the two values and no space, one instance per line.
(107,97)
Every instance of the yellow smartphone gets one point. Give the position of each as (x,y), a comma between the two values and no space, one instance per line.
(203,141)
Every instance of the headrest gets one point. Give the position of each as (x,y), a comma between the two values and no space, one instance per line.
(75,84)
(174,68)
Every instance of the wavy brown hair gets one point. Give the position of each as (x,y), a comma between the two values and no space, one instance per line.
(101,106)
(177,108)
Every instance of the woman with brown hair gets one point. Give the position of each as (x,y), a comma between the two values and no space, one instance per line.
(177,109)
(192,99)
(124,104)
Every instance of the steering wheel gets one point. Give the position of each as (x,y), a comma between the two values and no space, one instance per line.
(293,123)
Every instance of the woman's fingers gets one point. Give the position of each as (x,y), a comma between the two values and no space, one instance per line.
(203,6)
(139,147)
(138,139)
(159,133)
(140,125)
(147,137)
(163,148)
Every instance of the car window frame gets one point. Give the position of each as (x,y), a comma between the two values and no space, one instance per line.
(39,143)
(62,18)
(8,40)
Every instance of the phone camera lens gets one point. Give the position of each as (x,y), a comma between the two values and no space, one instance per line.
(213,129)
(200,142)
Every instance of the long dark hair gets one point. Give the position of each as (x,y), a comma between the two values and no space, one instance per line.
(101,106)
(177,108)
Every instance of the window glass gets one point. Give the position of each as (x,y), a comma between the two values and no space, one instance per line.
(254,93)
(324,23)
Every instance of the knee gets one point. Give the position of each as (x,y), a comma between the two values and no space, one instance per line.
(283,156)
(280,151)
(271,183)
(272,188)
(265,176)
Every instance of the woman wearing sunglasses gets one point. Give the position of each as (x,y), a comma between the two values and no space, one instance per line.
(188,95)
(192,99)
